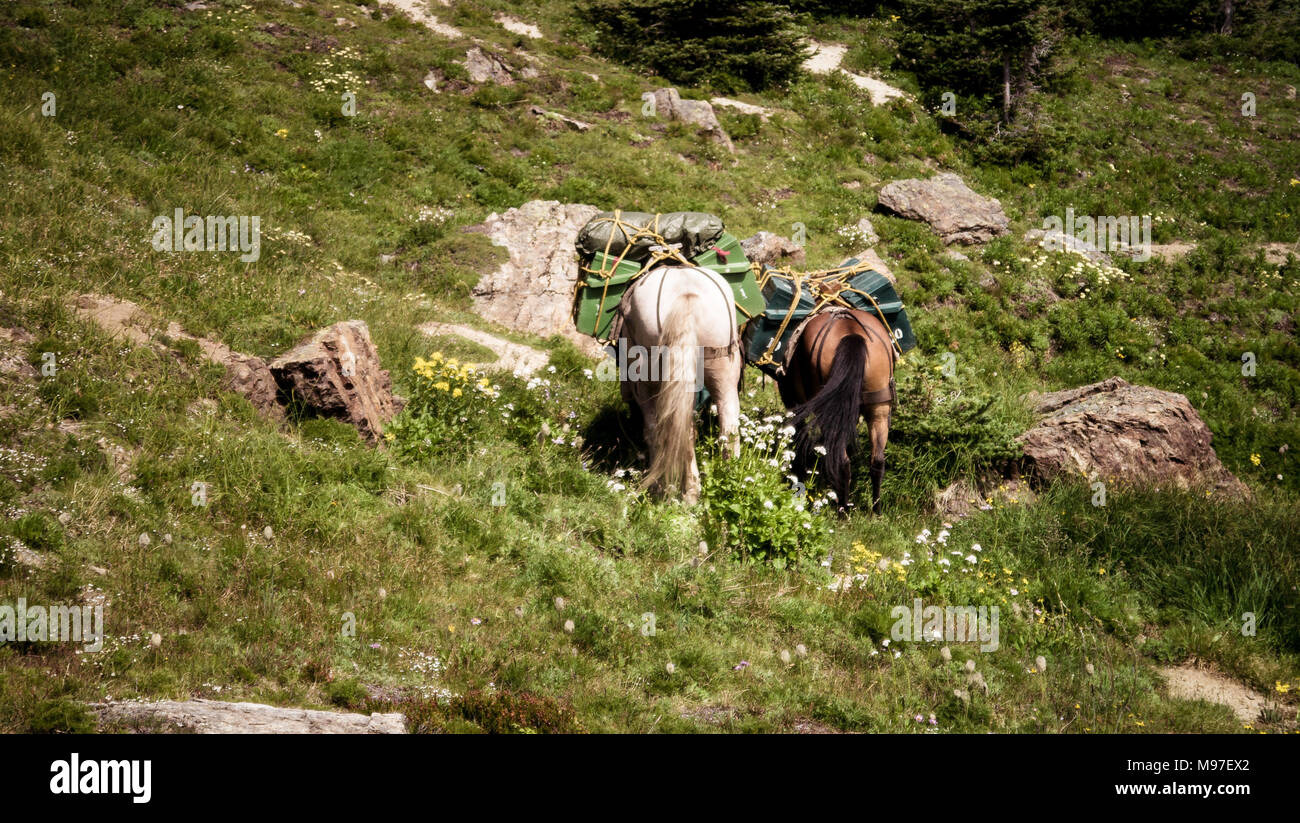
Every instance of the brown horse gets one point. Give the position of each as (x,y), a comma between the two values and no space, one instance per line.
(842,367)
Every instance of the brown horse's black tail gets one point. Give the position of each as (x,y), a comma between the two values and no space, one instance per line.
(830,418)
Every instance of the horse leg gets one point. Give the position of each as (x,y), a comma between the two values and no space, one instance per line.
(878,422)
(722,379)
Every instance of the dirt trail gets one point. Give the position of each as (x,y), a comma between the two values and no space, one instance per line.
(418,10)
(826,58)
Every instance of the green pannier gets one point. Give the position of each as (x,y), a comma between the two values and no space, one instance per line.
(791,299)
(604,280)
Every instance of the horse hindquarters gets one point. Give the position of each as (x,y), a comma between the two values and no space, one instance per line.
(672,440)
(831,416)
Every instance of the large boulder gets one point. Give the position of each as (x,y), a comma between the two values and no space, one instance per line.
(1116,431)
(336,373)
(949,206)
(699,113)
(533,291)
(218,717)
(772,250)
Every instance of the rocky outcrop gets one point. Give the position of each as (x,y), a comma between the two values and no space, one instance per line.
(955,212)
(772,250)
(217,717)
(533,291)
(1116,431)
(699,113)
(484,67)
(336,373)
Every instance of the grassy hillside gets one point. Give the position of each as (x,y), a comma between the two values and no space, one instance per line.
(236,109)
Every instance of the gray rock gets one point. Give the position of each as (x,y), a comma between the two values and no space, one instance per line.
(217,717)
(1119,432)
(699,113)
(533,290)
(772,249)
(487,68)
(949,206)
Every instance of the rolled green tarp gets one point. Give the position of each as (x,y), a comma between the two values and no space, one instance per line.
(630,234)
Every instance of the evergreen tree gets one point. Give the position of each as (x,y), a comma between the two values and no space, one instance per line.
(727,45)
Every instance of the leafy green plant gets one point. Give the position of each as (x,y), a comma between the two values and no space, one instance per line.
(754,507)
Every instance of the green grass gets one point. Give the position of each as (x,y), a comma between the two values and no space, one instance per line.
(454,598)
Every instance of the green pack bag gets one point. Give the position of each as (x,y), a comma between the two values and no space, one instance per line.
(790,299)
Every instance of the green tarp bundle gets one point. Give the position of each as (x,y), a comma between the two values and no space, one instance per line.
(629,235)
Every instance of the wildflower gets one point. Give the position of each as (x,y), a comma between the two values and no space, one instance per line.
(282,133)
(741,666)
(568,626)
(1254,458)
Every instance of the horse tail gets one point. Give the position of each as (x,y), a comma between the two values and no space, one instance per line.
(672,443)
(831,416)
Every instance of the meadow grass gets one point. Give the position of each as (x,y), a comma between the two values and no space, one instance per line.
(236,110)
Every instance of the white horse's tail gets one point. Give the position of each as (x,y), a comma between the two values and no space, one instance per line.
(672,446)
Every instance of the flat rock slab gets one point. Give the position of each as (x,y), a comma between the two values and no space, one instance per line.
(1190,683)
(336,373)
(533,291)
(218,717)
(954,211)
(1114,430)
(516,358)
(742,107)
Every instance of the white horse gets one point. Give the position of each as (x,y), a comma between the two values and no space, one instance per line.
(678,334)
